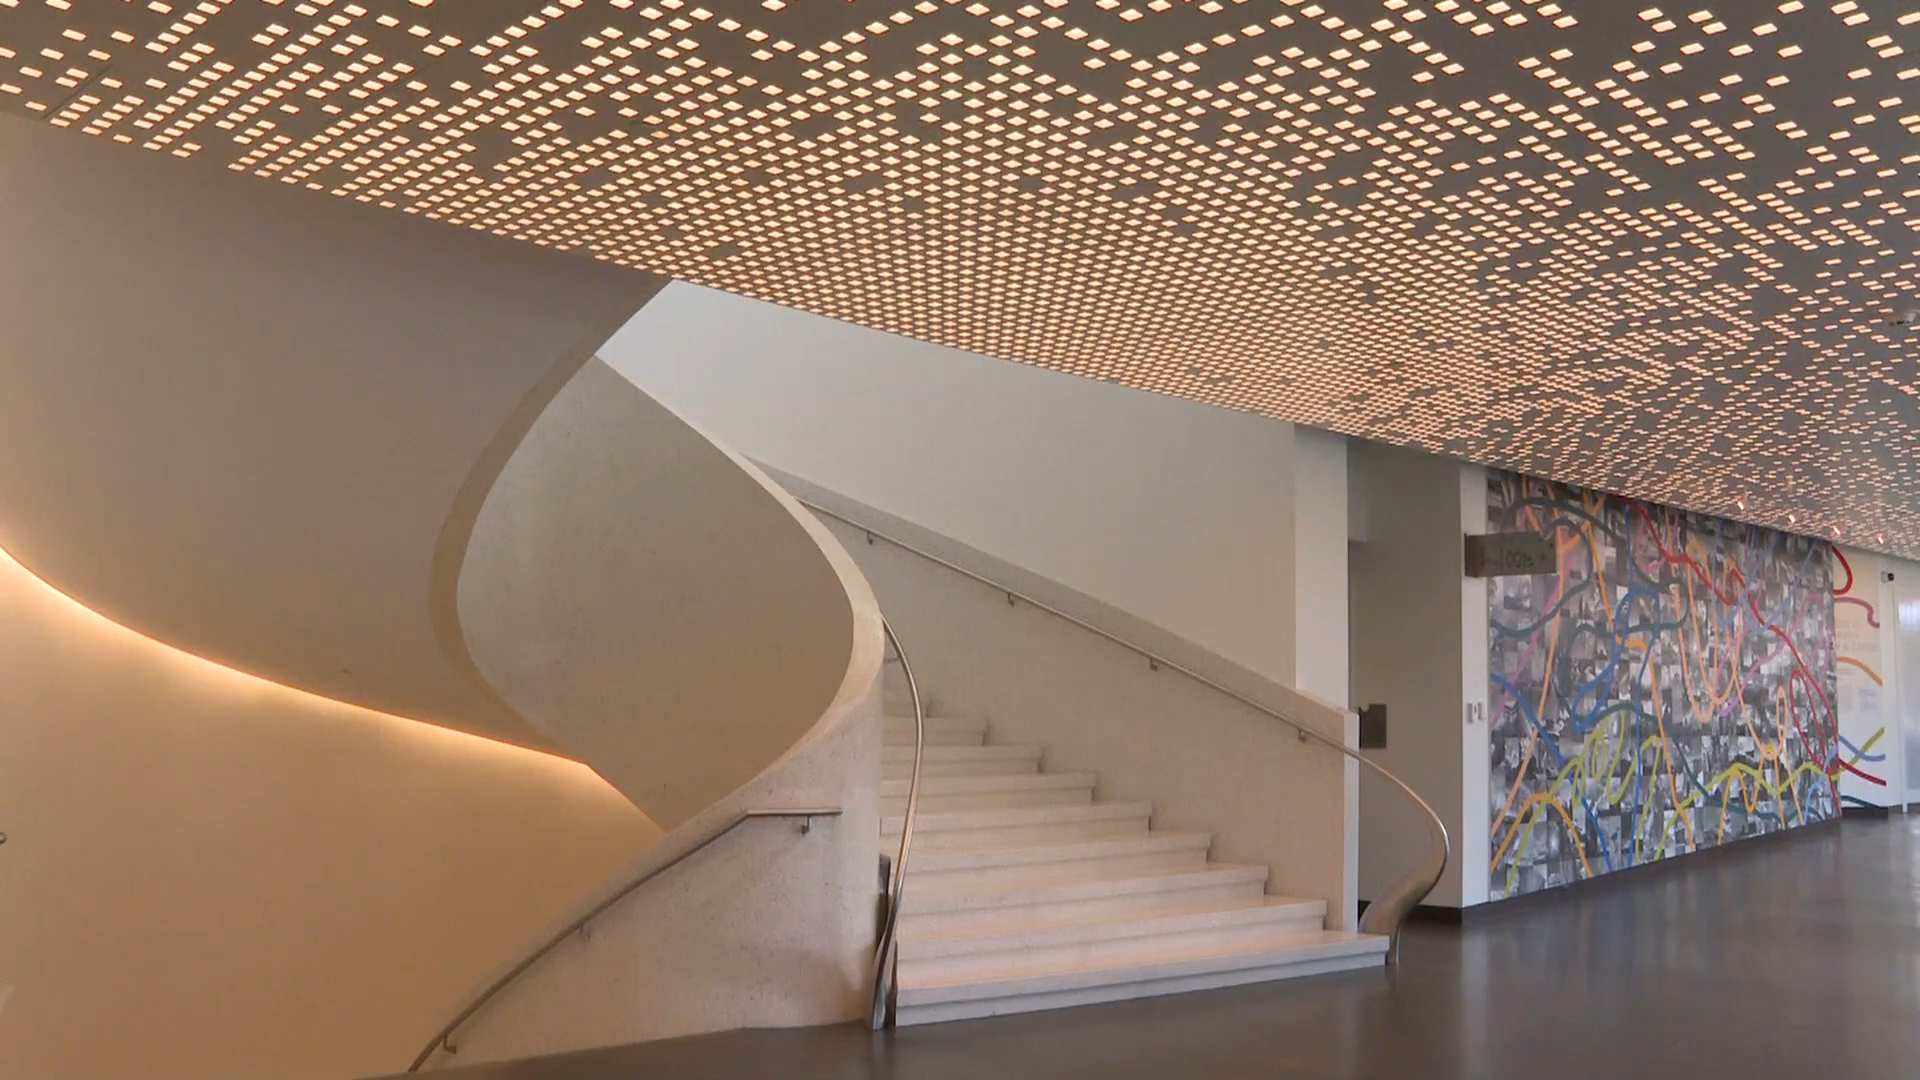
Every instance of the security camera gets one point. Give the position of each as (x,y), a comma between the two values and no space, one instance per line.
(1903,317)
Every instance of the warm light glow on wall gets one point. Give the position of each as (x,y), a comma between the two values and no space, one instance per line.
(1654,250)
(219,679)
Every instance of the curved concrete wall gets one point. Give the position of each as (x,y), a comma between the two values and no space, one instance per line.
(632,589)
(255,423)
(319,443)
(661,610)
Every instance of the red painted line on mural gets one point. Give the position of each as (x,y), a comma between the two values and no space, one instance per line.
(1873,617)
(1868,777)
(1848,567)
(1801,672)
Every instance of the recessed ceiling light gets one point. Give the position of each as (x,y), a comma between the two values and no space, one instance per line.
(1359,225)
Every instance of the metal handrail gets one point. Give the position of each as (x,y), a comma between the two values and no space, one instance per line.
(1383,916)
(443,1039)
(886,955)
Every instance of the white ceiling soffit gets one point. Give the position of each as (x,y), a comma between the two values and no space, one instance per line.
(1651,249)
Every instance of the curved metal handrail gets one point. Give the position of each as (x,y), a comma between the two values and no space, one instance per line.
(1383,916)
(886,955)
(443,1039)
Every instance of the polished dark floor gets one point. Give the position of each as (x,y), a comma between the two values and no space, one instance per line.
(1792,958)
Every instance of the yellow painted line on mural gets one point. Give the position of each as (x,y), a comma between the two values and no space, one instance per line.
(1867,747)
(1575,771)
(1680,814)
(1619,745)
(1574,768)
(1519,816)
(1538,803)
(1783,703)
(1545,798)
(1871,674)
(1716,698)
(1744,773)
(1564,545)
(1666,751)
(1725,792)
(1640,820)
(1513,871)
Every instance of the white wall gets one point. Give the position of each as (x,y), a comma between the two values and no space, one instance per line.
(1903,596)
(1320,565)
(1409,650)
(210,876)
(1874,699)
(1176,512)
(1472,847)
(1322,520)
(1207,762)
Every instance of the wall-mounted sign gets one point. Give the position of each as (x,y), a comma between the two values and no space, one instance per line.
(1510,554)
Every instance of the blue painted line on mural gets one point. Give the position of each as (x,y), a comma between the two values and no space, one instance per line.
(1847,744)
(1559,761)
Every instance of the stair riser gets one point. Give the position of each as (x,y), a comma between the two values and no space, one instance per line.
(1059,832)
(941,731)
(987,964)
(911,1014)
(903,737)
(1032,916)
(896,806)
(995,877)
(991,767)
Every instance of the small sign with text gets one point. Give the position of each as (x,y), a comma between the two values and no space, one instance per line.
(1510,555)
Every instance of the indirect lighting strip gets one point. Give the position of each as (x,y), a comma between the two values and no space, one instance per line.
(233,679)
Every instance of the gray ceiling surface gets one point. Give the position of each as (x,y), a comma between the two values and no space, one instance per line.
(1663,251)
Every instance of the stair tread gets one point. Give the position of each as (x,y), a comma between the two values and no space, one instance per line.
(963,753)
(1014,816)
(928,899)
(1063,851)
(1170,961)
(1254,911)
(989,785)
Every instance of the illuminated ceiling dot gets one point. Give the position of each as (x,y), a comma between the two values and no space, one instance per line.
(1649,248)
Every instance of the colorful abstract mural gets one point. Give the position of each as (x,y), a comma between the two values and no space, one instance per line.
(1670,688)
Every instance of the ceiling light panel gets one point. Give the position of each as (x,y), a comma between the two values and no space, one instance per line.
(1658,250)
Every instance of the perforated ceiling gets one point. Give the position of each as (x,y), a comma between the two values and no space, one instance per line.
(1650,249)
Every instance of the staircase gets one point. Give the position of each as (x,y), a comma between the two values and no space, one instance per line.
(1024,892)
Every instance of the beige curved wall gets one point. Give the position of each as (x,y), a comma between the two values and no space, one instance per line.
(261,426)
(661,610)
(656,607)
(240,418)
(212,877)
